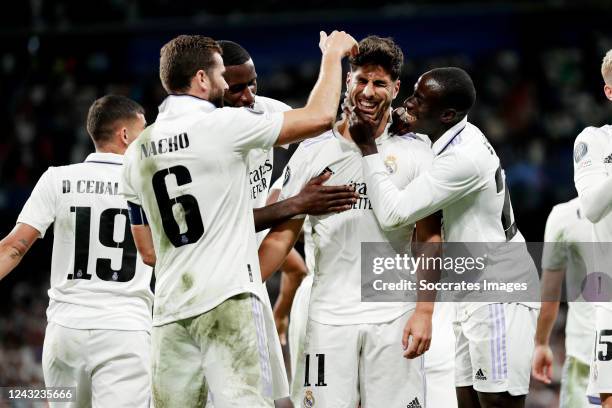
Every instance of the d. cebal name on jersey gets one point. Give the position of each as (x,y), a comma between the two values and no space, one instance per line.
(258,180)
(164,145)
(90,187)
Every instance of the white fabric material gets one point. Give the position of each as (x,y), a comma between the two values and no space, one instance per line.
(364,364)
(297,337)
(440,358)
(600,380)
(567,238)
(494,348)
(261,161)
(462,183)
(592,168)
(109,368)
(94,284)
(337,237)
(198,157)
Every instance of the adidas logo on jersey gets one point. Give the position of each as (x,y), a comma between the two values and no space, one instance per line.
(608,159)
(480,375)
(414,404)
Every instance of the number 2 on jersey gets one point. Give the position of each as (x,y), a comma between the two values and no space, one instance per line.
(104,270)
(193,219)
(507,215)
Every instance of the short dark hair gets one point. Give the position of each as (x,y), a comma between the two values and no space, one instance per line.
(182,57)
(105,112)
(374,50)
(233,53)
(458,91)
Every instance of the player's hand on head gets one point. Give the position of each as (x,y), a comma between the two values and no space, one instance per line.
(400,124)
(416,338)
(542,364)
(317,199)
(338,41)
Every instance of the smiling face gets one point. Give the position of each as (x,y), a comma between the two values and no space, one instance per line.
(424,107)
(371,90)
(242,82)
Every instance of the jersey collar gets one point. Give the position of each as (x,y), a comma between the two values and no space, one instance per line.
(447,138)
(105,158)
(183,103)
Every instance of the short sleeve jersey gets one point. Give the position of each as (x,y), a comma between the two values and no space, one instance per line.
(97,279)
(337,238)
(189,172)
(568,246)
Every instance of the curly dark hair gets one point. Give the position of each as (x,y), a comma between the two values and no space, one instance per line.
(374,50)
(182,57)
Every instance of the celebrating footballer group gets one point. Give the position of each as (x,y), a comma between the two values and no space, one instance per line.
(190,199)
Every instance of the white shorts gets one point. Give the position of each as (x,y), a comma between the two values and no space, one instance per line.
(297,336)
(223,350)
(362,363)
(440,359)
(574,381)
(600,381)
(109,368)
(494,346)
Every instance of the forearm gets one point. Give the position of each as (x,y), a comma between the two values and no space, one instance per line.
(14,247)
(274,214)
(546,321)
(290,282)
(551,285)
(9,259)
(394,208)
(276,246)
(325,95)
(596,200)
(320,112)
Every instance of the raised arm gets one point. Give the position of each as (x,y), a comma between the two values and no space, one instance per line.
(320,111)
(15,245)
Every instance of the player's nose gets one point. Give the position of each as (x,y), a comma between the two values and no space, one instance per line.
(247,97)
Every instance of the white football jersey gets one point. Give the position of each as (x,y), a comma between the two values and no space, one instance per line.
(261,161)
(336,291)
(592,169)
(97,279)
(189,173)
(467,183)
(567,246)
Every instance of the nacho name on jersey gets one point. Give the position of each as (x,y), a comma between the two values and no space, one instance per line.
(164,145)
(90,187)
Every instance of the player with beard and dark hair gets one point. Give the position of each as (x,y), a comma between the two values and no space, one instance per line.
(188,173)
(495,340)
(353,349)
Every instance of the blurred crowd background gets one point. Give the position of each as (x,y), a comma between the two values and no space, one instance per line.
(535,66)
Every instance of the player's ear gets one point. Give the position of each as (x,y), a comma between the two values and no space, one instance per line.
(448,115)
(348,78)
(608,91)
(201,79)
(124,136)
(396,88)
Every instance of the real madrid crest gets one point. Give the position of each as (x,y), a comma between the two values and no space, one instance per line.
(390,164)
(309,400)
